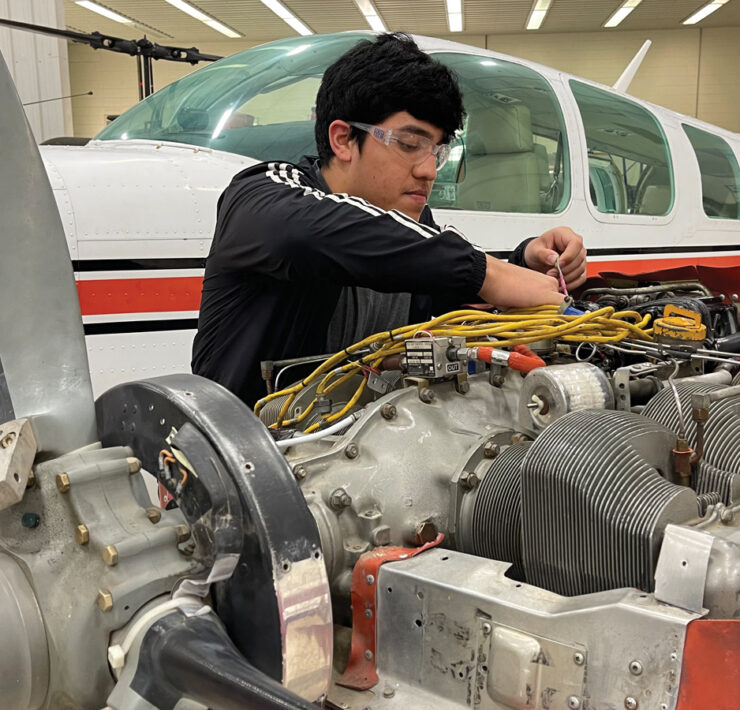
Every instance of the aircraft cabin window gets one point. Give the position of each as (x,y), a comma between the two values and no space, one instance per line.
(629,164)
(720,174)
(512,155)
(258,103)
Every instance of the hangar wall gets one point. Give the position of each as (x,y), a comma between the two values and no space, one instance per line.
(693,71)
(38,65)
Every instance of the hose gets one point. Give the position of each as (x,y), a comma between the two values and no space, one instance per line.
(341,424)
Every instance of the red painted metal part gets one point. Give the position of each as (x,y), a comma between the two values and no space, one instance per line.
(710,674)
(360,673)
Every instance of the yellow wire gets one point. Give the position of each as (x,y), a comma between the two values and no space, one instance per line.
(480,329)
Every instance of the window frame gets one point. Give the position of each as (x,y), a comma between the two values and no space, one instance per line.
(621,217)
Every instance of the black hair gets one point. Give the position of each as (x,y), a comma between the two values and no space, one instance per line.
(374,80)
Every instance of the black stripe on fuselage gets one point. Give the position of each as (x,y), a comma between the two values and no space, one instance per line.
(140,326)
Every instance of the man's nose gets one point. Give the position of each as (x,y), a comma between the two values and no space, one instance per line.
(427,168)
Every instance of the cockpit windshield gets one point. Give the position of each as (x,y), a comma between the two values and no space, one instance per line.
(258,103)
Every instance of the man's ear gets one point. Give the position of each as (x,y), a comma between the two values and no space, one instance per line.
(340,141)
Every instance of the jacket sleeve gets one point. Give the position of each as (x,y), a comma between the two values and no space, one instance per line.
(271,223)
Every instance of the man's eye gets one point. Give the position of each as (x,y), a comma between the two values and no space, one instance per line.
(409,145)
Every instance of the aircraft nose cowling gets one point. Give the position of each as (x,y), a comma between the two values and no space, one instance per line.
(133,197)
(43,362)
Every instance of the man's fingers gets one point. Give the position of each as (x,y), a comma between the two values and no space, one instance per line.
(574,283)
(575,266)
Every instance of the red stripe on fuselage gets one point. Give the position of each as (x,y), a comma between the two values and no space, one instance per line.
(638,266)
(136,295)
(170,294)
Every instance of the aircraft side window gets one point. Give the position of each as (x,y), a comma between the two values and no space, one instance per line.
(512,154)
(720,174)
(629,162)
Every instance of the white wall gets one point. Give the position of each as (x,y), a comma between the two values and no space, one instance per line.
(39,65)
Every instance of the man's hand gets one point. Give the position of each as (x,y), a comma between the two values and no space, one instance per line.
(509,286)
(541,253)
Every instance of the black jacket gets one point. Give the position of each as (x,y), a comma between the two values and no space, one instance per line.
(284,252)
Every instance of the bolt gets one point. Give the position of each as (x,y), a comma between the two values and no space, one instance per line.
(497,380)
(154,515)
(30,520)
(182,532)
(426,395)
(491,449)
(63,482)
(426,531)
(134,465)
(631,703)
(380,536)
(469,480)
(370,579)
(727,516)
(574,703)
(339,499)
(519,438)
(369,613)
(31,482)
(388,692)
(463,387)
(8,440)
(300,472)
(636,668)
(486,628)
(369,655)
(578,658)
(351,451)
(105,600)
(388,411)
(110,555)
(82,535)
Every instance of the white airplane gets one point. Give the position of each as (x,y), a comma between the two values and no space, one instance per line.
(648,188)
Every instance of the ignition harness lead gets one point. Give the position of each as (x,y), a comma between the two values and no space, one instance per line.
(480,330)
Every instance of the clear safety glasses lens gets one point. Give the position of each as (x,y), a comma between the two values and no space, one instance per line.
(410,146)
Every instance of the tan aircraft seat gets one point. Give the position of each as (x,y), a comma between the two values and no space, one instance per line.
(501,171)
(654,193)
(543,167)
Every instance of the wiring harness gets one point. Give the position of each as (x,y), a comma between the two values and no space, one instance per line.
(515,327)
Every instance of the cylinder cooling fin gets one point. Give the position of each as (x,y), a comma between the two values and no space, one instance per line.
(492,527)
(717,470)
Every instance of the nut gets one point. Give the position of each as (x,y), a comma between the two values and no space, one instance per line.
(300,472)
(491,449)
(31,482)
(426,395)
(426,531)
(497,380)
(339,499)
(381,535)
(134,465)
(388,692)
(469,480)
(351,451)
(154,515)
(182,533)
(82,535)
(110,555)
(463,387)
(63,482)
(388,411)
(105,600)
(8,439)
(727,516)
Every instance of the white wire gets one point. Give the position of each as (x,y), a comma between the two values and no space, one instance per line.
(338,426)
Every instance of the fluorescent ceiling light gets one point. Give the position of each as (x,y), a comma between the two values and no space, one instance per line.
(537,14)
(702,12)
(624,9)
(104,11)
(287,16)
(205,19)
(372,16)
(454,15)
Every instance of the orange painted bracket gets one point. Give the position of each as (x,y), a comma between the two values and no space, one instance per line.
(710,675)
(360,673)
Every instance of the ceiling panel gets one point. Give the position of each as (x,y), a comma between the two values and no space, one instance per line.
(160,21)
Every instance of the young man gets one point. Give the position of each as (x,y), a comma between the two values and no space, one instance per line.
(310,258)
